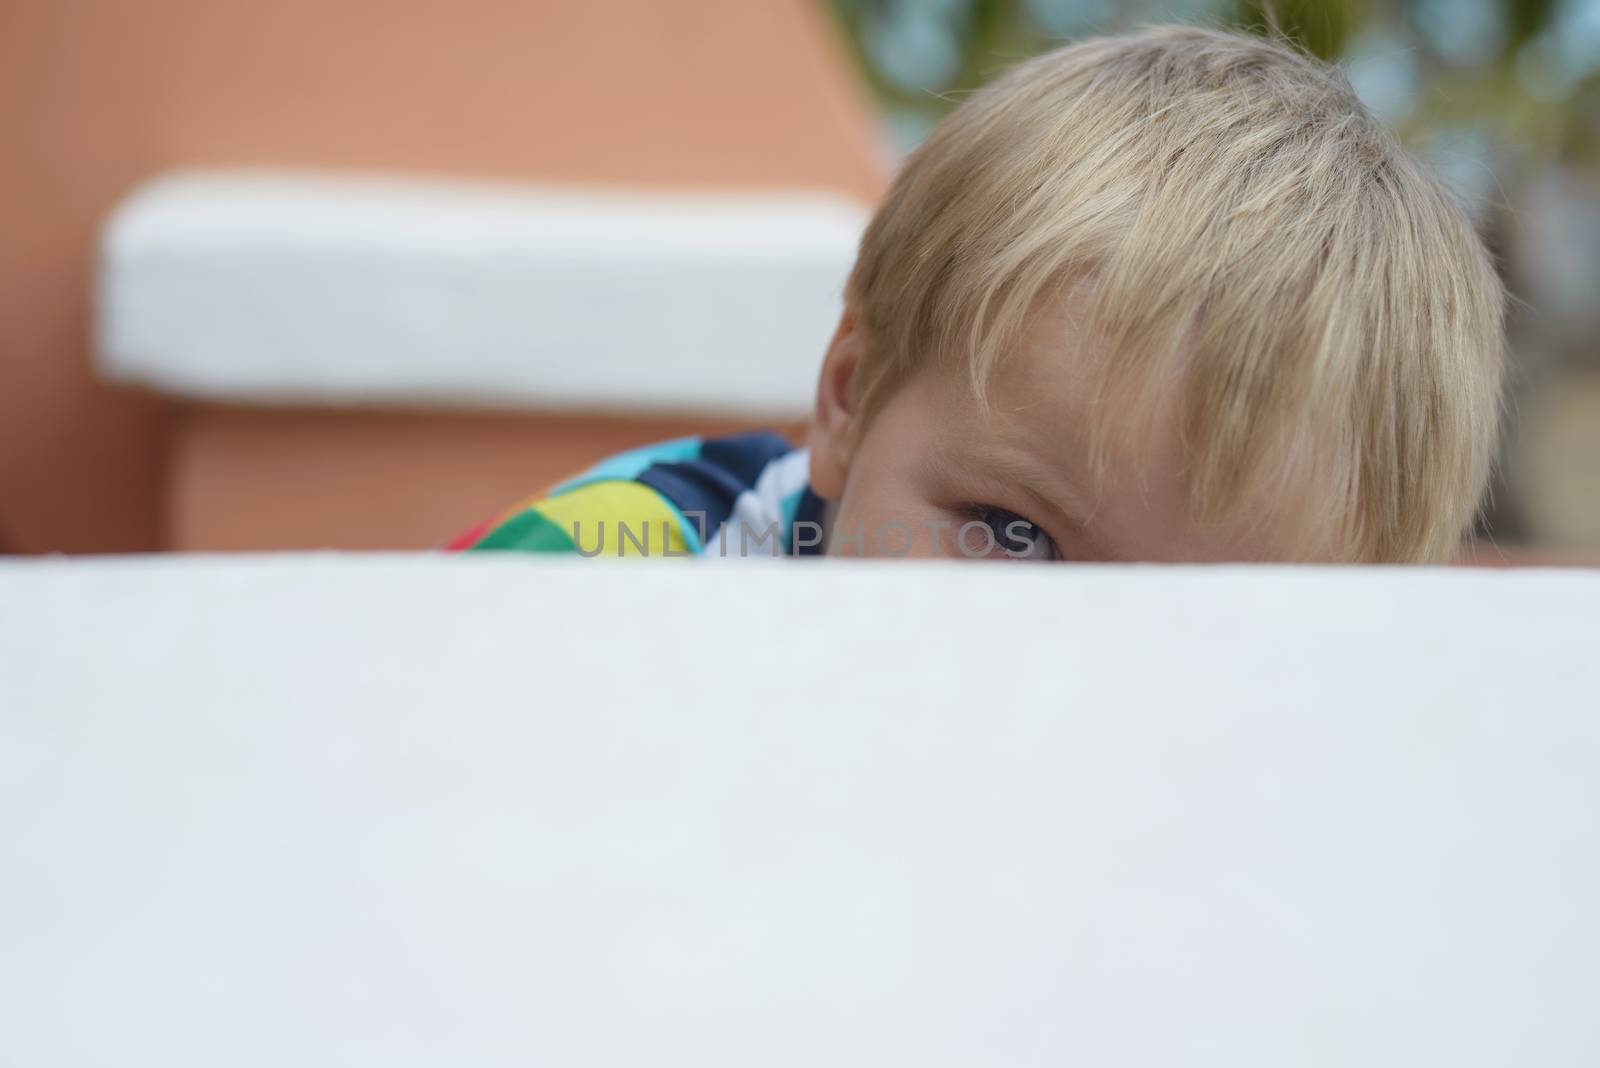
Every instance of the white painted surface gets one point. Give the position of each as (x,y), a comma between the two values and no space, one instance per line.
(262,287)
(500,811)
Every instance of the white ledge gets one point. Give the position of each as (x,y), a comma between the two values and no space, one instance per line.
(310,289)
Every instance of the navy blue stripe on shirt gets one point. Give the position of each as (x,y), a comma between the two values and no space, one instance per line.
(710,484)
(696,486)
(746,455)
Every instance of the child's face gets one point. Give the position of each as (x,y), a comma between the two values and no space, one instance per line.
(936,475)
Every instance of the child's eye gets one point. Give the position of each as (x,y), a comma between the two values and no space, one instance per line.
(1013,536)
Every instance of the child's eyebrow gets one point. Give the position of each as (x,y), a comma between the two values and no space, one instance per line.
(1046,486)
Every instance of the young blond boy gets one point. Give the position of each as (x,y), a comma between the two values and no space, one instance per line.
(1168,296)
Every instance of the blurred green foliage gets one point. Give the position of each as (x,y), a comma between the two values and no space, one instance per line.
(1323,28)
(1518,74)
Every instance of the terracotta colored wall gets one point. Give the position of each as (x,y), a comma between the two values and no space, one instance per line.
(96,95)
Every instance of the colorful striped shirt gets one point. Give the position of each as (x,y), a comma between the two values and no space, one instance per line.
(718,498)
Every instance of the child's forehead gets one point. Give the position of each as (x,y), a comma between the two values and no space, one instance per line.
(1031,426)
(1049,379)
(1031,431)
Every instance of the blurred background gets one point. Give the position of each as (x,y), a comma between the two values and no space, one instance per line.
(110,442)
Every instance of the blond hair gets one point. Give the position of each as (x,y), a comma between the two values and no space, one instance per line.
(1245,227)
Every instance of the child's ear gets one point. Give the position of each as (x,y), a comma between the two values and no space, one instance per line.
(834,417)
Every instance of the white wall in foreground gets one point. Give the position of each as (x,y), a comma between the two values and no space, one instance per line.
(413,810)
